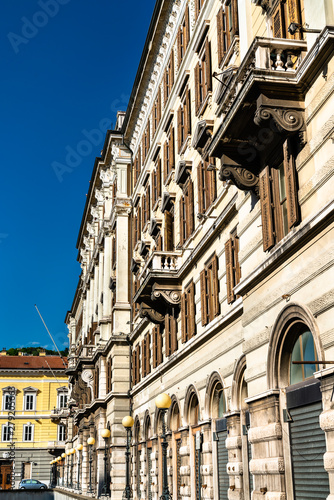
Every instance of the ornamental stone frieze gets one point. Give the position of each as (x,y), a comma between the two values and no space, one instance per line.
(241,177)
(170,294)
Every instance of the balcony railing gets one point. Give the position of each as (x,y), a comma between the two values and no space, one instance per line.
(162,262)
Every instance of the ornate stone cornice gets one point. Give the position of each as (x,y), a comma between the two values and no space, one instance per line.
(170,294)
(241,177)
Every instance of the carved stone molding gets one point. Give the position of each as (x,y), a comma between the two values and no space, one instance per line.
(170,294)
(148,312)
(241,177)
(286,119)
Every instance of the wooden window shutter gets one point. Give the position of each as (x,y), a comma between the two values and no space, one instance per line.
(148,135)
(165,160)
(215,287)
(229,271)
(172,150)
(159,177)
(148,202)
(277,21)
(200,188)
(159,344)
(165,88)
(173,334)
(190,214)
(204,307)
(191,308)
(236,260)
(197,92)
(143,360)
(133,367)
(168,236)
(220,35)
(266,210)
(179,46)
(139,222)
(291,185)
(159,104)
(211,185)
(153,184)
(208,77)
(138,363)
(179,128)
(183,318)
(148,354)
(187,26)
(182,235)
(293,16)
(171,69)
(235,21)
(167,335)
(197,9)
(188,113)
(154,346)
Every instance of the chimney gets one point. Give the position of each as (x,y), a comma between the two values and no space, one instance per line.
(42,352)
(3,352)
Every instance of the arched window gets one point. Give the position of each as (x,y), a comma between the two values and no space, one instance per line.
(194,410)
(175,418)
(218,403)
(303,350)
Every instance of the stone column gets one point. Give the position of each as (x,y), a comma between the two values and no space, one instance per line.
(234,466)
(185,489)
(207,467)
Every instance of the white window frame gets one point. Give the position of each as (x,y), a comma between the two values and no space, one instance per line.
(7,425)
(28,424)
(6,393)
(29,391)
(62,395)
(63,426)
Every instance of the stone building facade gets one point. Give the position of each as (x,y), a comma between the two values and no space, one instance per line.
(216,190)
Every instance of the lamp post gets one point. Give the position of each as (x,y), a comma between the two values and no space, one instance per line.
(163,402)
(79,448)
(127,422)
(51,469)
(72,451)
(90,442)
(58,460)
(105,433)
(67,453)
(63,455)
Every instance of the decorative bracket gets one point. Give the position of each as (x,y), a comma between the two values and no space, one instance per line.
(155,227)
(154,316)
(241,177)
(170,294)
(183,171)
(288,117)
(202,136)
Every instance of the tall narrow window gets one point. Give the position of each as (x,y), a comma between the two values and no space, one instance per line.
(169,155)
(207,184)
(29,401)
(203,77)
(146,355)
(198,7)
(183,36)
(61,433)
(169,77)
(135,369)
(227,28)
(7,432)
(233,272)
(28,432)
(157,346)
(303,350)
(184,120)
(187,212)
(156,182)
(170,333)
(210,291)
(188,320)
(285,13)
(169,232)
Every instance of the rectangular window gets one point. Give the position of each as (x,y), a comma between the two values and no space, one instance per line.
(169,77)
(285,13)
(29,401)
(170,334)
(210,291)
(169,232)
(9,401)
(61,433)
(156,182)
(157,346)
(279,198)
(62,400)
(169,154)
(203,77)
(207,184)
(183,36)
(28,432)
(136,365)
(7,432)
(233,271)
(146,355)
(187,212)
(188,317)
(184,120)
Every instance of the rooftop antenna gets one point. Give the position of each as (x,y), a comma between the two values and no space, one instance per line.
(50,336)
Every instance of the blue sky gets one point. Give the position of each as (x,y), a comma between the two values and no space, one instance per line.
(67,67)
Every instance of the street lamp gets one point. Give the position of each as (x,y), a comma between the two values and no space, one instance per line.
(163,402)
(51,469)
(79,448)
(63,455)
(58,460)
(127,422)
(90,442)
(72,451)
(105,433)
(67,453)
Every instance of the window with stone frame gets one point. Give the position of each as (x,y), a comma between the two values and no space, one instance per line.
(146,205)
(170,333)
(61,433)
(283,13)
(137,167)
(135,368)
(233,271)
(169,154)
(210,307)
(157,346)
(188,313)
(184,120)
(146,355)
(183,36)
(198,7)
(7,432)
(203,77)
(227,27)
(156,182)
(28,432)
(169,77)
(168,242)
(136,221)
(146,141)
(187,224)
(156,112)
(207,184)
(279,197)
(109,374)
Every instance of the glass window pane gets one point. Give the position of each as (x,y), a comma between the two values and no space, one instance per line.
(221,404)
(308,353)
(296,371)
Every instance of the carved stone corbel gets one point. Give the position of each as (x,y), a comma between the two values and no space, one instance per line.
(241,177)
(170,294)
(154,316)
(288,116)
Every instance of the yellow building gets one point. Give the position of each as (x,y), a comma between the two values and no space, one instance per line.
(33,411)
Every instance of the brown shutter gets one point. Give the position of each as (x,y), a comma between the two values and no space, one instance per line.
(190,208)
(191,307)
(133,367)
(138,363)
(165,161)
(165,88)
(143,359)
(236,260)
(182,235)
(148,354)
(186,37)
(159,177)
(277,22)
(229,270)
(172,149)
(211,185)
(183,318)
(291,185)
(197,92)
(171,70)
(148,135)
(153,184)
(167,335)
(204,309)
(235,21)
(208,78)
(215,286)
(173,334)
(159,342)
(196,9)
(168,236)
(266,210)
(220,35)
(188,113)
(200,188)
(148,202)
(293,16)
(179,128)
(154,341)
(179,57)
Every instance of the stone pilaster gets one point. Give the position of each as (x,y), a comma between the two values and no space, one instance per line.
(185,466)
(206,466)
(235,465)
